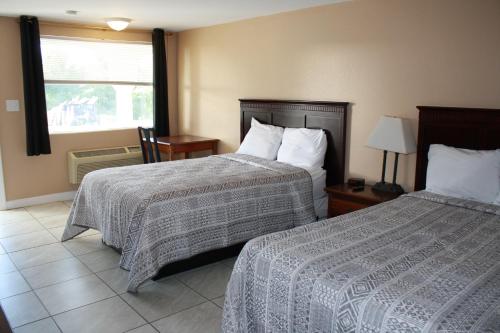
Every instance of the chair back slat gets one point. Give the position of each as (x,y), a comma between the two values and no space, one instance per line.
(148,154)
(157,149)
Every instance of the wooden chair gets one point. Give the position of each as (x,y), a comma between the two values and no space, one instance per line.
(147,139)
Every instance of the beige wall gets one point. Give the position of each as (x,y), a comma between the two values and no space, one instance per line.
(33,176)
(384,57)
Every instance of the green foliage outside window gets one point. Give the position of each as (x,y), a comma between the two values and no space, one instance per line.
(142,100)
(56,94)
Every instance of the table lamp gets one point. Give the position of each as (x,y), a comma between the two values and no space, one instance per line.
(392,134)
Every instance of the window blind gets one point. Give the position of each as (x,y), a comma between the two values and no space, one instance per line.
(82,61)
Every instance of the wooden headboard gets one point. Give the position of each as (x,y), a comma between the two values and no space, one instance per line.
(329,116)
(469,128)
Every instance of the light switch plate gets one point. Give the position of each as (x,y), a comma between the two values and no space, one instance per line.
(12,105)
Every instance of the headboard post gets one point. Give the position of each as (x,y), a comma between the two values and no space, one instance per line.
(329,116)
(469,128)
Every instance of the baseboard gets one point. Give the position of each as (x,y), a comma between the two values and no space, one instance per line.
(43,199)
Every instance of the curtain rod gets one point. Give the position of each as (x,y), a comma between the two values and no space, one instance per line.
(91,27)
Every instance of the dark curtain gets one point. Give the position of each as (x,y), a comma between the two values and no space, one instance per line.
(160,86)
(37,130)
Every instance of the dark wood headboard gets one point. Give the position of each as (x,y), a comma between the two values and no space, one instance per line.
(469,128)
(329,116)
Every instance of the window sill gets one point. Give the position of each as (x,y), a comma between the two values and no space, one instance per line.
(93,131)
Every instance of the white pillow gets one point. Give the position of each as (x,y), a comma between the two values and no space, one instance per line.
(464,173)
(262,140)
(303,147)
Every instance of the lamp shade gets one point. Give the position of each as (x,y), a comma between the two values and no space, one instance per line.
(393,134)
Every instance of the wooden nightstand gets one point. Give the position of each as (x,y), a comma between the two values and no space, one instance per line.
(342,199)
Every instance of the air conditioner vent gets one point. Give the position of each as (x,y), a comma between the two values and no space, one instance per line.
(134,149)
(84,161)
(100,152)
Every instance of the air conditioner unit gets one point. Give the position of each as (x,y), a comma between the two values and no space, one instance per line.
(82,162)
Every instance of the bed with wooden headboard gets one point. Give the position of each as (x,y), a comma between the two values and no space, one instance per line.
(329,116)
(470,128)
(422,262)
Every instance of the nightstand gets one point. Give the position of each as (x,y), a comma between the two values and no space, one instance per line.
(342,199)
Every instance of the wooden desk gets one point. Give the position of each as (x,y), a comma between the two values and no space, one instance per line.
(185,144)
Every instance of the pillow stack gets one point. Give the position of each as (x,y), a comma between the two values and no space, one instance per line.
(300,147)
(464,173)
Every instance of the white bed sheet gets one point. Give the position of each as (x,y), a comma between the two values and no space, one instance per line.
(321,208)
(319,183)
(319,195)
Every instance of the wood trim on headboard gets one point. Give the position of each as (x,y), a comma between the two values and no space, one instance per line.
(469,128)
(330,116)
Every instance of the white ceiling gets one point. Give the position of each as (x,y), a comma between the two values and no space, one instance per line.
(171,15)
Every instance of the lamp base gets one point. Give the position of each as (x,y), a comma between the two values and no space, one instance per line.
(388,187)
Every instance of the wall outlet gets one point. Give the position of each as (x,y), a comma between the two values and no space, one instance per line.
(12,105)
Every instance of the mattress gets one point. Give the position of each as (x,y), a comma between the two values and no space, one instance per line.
(420,263)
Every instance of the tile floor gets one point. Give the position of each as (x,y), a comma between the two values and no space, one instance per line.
(76,286)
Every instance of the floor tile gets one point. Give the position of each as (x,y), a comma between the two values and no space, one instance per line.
(57,232)
(54,272)
(101,260)
(116,279)
(6,265)
(68,203)
(39,255)
(19,228)
(79,246)
(14,215)
(54,221)
(42,326)
(23,309)
(26,241)
(159,299)
(74,293)
(111,315)
(89,232)
(203,318)
(210,280)
(49,209)
(12,284)
(144,329)
(219,301)
(229,262)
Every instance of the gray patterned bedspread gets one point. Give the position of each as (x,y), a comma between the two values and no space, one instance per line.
(420,263)
(164,212)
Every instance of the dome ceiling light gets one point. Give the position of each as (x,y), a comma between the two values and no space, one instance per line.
(118,23)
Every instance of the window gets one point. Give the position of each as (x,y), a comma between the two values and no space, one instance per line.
(94,85)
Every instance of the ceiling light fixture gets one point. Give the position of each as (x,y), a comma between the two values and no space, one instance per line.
(118,23)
